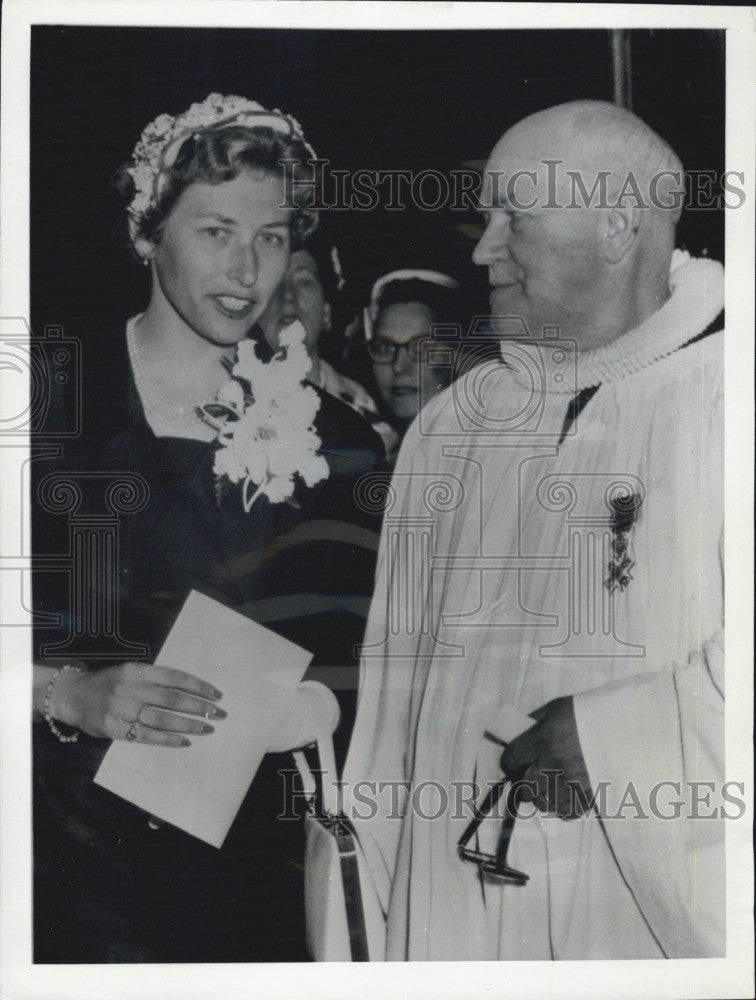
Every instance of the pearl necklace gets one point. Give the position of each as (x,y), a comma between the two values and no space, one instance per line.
(165,418)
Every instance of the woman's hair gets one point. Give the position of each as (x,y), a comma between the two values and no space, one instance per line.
(324,251)
(444,303)
(213,156)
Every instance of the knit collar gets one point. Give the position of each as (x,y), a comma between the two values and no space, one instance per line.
(697,297)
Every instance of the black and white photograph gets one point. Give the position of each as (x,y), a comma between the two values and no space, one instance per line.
(374,455)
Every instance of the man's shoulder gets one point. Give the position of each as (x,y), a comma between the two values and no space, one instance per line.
(469,403)
(471,407)
(701,358)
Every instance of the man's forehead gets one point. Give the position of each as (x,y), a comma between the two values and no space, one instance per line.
(533,149)
(506,173)
(522,174)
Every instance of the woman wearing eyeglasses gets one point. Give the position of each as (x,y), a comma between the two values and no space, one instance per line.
(408,366)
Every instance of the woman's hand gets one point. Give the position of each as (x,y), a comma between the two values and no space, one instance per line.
(137,701)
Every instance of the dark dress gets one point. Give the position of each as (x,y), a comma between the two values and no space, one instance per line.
(107,887)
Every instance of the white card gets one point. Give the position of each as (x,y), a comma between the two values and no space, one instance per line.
(200,788)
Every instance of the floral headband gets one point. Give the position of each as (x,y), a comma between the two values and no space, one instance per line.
(159,144)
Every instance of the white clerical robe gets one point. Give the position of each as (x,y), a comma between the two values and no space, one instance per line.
(506,578)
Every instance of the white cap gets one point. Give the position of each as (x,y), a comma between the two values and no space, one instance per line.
(407,274)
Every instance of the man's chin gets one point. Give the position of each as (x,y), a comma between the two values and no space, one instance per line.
(506,309)
(512,324)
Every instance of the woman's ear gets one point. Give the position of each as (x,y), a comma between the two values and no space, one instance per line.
(327,317)
(621,226)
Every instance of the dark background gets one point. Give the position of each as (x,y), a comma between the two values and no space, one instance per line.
(366,99)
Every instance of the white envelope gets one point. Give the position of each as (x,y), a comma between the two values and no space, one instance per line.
(200,788)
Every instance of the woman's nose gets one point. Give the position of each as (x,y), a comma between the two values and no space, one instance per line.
(288,293)
(243,266)
(402,360)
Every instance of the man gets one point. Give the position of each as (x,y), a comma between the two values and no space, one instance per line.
(553,550)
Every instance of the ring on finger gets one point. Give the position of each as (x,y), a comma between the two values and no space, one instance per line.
(131,732)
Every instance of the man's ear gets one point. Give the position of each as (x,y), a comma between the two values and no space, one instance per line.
(621,225)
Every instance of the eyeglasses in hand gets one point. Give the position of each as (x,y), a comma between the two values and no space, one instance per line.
(495,865)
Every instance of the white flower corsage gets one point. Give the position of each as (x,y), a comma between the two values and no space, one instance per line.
(265,416)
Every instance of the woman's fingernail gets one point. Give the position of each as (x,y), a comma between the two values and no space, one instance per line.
(217,693)
(215,713)
(185,743)
(208,729)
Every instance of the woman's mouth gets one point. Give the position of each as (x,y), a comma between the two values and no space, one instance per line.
(233,306)
(404,390)
(286,320)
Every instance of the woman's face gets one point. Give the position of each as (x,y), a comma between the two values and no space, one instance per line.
(299,296)
(406,383)
(222,253)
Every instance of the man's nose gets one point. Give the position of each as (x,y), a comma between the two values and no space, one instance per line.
(243,265)
(493,244)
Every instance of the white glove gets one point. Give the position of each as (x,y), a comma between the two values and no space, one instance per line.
(312,713)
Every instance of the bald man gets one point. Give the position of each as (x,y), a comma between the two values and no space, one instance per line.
(549,599)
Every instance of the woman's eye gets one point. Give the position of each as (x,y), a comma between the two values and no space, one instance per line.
(216,233)
(306,283)
(272,239)
(380,349)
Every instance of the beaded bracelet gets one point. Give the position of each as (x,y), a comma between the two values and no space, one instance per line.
(46,705)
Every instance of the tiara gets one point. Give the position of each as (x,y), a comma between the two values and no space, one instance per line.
(162,139)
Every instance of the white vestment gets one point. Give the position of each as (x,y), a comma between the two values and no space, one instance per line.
(493,590)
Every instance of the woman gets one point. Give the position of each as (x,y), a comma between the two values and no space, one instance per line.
(213,215)
(312,280)
(404,308)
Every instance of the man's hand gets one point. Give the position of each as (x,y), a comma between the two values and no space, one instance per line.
(550,763)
